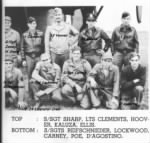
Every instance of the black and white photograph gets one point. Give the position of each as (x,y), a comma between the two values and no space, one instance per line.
(59,58)
(69,67)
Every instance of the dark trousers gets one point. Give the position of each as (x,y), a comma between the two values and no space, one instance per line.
(92,58)
(31,62)
(59,58)
(121,59)
(131,99)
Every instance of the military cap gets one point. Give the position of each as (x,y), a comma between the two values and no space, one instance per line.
(58,10)
(134,55)
(76,48)
(31,19)
(91,17)
(8,18)
(9,58)
(45,56)
(125,14)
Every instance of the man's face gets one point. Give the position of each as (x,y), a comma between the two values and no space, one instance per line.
(58,17)
(32,26)
(126,20)
(135,61)
(7,24)
(90,24)
(8,65)
(107,62)
(76,55)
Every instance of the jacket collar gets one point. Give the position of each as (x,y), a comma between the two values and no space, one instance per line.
(125,28)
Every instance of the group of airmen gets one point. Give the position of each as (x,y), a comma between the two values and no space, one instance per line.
(71,66)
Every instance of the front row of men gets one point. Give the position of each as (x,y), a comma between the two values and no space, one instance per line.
(79,84)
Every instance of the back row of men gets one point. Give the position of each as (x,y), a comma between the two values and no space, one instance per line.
(90,75)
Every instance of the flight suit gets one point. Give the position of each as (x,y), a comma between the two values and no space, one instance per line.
(51,73)
(14,86)
(90,41)
(107,84)
(31,48)
(132,93)
(12,45)
(75,74)
(125,42)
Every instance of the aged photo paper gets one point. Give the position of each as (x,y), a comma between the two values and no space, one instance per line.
(75,71)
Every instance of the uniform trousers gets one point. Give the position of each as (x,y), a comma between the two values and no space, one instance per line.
(121,59)
(59,58)
(92,57)
(131,99)
(81,96)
